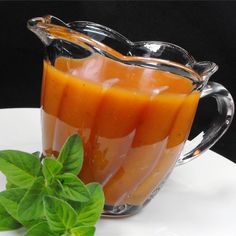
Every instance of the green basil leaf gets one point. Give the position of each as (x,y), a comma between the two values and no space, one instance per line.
(66,234)
(7,222)
(10,200)
(73,188)
(83,231)
(10,185)
(90,212)
(51,168)
(20,168)
(40,229)
(31,206)
(29,224)
(71,155)
(60,215)
(76,205)
(54,188)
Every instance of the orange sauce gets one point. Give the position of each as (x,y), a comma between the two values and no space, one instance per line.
(133,121)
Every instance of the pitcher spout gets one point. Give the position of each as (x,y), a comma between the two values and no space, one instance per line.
(41,25)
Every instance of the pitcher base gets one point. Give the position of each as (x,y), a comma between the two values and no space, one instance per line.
(120,211)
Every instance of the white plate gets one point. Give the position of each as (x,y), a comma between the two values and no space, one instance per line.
(199,198)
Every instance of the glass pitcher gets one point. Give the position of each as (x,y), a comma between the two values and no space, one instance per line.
(133,104)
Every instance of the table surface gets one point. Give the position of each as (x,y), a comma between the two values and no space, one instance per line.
(199,198)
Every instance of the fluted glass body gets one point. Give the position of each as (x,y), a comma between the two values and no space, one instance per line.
(133,105)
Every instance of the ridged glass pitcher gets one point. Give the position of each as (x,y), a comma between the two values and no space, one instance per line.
(133,104)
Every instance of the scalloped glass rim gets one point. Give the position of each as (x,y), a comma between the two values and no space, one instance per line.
(48,28)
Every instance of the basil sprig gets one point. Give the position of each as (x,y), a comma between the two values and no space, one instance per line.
(45,196)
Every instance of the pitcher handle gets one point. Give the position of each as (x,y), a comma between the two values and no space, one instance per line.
(208,138)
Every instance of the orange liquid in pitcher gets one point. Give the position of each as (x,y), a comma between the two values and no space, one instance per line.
(133,121)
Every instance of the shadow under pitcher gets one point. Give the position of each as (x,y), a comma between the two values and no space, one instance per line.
(133,104)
